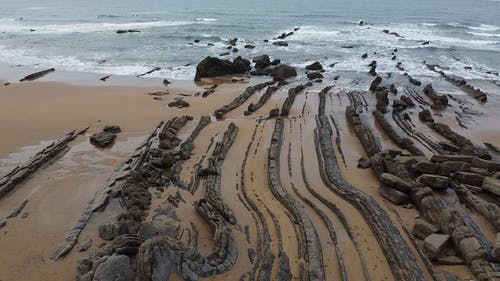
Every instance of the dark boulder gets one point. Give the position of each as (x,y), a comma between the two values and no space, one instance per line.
(179,104)
(262,61)
(102,139)
(280,43)
(375,83)
(425,116)
(213,67)
(122,31)
(314,75)
(314,66)
(283,71)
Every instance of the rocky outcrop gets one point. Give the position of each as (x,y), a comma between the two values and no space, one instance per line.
(20,173)
(362,131)
(252,107)
(314,254)
(439,102)
(239,100)
(466,146)
(402,142)
(400,258)
(214,67)
(292,93)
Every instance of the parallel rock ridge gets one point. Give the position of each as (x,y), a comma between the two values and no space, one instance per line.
(21,172)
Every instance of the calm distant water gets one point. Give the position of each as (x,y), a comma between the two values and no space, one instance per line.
(80,34)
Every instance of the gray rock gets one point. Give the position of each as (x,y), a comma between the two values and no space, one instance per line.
(107,231)
(395,196)
(422,228)
(434,181)
(115,268)
(84,246)
(395,182)
(434,244)
(471,249)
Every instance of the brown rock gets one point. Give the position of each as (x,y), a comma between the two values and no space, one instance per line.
(422,228)
(492,185)
(468,178)
(395,196)
(434,244)
(395,182)
(434,181)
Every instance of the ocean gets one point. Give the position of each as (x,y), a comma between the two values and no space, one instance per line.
(463,35)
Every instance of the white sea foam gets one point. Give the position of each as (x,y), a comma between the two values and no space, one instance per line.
(69,63)
(207,19)
(484,34)
(10,26)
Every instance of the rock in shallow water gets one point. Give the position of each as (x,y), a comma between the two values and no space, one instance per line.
(102,139)
(213,67)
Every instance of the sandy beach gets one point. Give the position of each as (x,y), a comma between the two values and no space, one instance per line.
(266,200)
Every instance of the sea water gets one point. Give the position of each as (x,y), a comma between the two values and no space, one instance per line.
(81,34)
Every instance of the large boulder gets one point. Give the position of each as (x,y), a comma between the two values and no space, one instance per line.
(214,67)
(116,268)
(283,71)
(262,61)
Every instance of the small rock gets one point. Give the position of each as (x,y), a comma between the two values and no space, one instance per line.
(84,246)
(280,43)
(434,244)
(102,139)
(422,229)
(3,223)
(363,163)
(179,104)
(364,56)
(314,75)
(395,196)
(107,231)
(314,66)
(249,46)
(274,113)
(425,116)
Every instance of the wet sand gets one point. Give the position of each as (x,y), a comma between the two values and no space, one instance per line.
(34,113)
